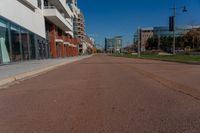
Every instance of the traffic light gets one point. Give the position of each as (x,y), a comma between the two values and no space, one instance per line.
(171,23)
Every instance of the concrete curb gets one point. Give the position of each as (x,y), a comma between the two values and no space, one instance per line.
(21,76)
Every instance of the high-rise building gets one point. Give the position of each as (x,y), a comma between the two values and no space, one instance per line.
(59,27)
(79,28)
(113,45)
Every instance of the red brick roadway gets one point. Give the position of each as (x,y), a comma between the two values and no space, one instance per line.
(104,94)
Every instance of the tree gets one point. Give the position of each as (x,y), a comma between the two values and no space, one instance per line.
(192,39)
(152,43)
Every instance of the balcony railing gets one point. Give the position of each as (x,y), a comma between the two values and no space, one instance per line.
(59,37)
(66,39)
(53,7)
(61,6)
(58,18)
(31,3)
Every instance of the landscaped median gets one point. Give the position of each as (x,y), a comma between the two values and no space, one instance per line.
(190,59)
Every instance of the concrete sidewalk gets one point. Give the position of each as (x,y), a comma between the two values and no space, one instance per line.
(17,71)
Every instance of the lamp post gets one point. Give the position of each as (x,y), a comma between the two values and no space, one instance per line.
(139,46)
(159,41)
(174,25)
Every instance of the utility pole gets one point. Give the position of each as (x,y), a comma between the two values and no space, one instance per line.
(159,41)
(139,47)
(174,29)
(174,24)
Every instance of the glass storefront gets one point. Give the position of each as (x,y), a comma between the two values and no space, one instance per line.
(32,46)
(19,44)
(15,42)
(25,44)
(42,48)
(4,44)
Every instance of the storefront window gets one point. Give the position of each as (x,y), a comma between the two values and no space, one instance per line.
(25,46)
(17,43)
(4,43)
(15,40)
(32,46)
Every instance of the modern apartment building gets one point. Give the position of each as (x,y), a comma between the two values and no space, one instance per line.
(113,45)
(88,45)
(36,29)
(79,31)
(59,27)
(85,44)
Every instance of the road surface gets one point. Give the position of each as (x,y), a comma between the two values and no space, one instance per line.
(105,94)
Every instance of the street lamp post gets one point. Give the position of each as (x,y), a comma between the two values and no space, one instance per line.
(139,47)
(174,25)
(174,38)
(159,41)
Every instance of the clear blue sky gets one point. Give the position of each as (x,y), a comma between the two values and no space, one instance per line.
(107,18)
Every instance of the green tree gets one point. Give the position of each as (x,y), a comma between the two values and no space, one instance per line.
(166,43)
(192,39)
(152,43)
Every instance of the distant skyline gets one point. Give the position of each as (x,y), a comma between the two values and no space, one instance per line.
(107,18)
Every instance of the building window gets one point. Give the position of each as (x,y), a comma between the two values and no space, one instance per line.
(39,4)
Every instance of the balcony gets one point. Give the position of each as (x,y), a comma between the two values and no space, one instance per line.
(62,6)
(59,39)
(53,15)
(67,41)
(30,3)
(76,41)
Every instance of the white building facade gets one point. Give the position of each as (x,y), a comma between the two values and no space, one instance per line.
(35,29)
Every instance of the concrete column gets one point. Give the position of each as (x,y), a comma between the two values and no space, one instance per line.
(52,41)
(20,43)
(10,42)
(62,48)
(67,50)
(29,49)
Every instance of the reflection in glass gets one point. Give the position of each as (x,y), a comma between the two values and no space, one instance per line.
(15,40)
(32,46)
(4,44)
(24,40)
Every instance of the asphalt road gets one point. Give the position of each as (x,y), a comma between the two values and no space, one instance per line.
(104,94)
